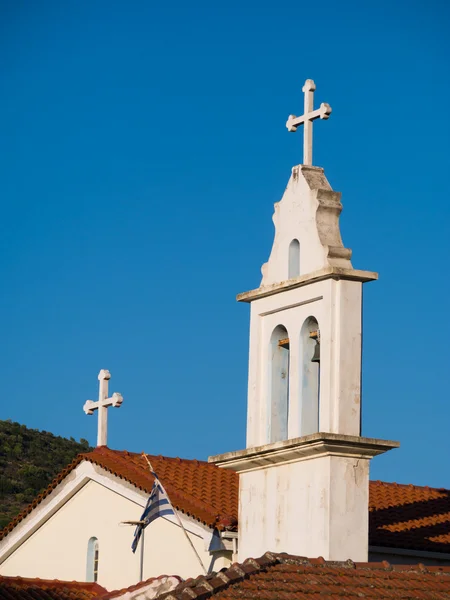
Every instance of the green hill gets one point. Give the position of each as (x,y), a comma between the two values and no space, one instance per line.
(29,460)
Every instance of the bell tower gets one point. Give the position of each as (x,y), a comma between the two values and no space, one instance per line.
(304,476)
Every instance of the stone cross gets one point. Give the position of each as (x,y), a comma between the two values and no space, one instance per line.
(307,119)
(102,405)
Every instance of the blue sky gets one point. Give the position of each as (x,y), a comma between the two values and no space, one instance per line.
(142,148)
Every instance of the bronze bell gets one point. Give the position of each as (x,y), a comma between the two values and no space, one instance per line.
(316,355)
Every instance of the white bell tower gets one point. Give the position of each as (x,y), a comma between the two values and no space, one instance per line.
(304,477)
(309,305)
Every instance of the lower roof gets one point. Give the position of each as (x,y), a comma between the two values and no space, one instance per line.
(270,577)
(283,576)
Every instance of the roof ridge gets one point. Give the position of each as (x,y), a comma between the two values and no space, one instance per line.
(378,482)
(159,456)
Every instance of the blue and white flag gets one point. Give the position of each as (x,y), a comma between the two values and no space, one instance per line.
(158,505)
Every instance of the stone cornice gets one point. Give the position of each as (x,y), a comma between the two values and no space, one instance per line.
(303,448)
(290,284)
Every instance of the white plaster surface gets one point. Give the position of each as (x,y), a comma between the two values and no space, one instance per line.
(309,508)
(336,306)
(307,496)
(327,290)
(308,212)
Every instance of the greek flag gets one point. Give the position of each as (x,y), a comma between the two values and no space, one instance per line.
(158,505)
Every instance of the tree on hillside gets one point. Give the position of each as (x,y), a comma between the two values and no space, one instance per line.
(29,461)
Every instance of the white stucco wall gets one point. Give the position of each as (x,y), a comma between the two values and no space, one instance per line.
(309,508)
(309,213)
(57,550)
(337,307)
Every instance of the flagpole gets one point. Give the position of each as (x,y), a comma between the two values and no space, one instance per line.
(175,512)
(141,541)
(141,561)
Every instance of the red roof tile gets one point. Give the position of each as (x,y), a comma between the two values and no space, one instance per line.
(197,488)
(20,588)
(401,516)
(409,516)
(286,577)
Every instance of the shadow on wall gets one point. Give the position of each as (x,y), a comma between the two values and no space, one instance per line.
(309,378)
(279,384)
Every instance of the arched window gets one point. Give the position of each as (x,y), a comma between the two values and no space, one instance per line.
(92,560)
(294,259)
(279,384)
(309,376)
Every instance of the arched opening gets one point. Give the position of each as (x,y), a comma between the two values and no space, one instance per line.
(92,560)
(309,376)
(294,259)
(279,384)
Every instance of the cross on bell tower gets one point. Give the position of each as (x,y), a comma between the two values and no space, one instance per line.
(102,406)
(323,112)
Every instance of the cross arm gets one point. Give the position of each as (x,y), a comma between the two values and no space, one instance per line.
(89,407)
(115,400)
(321,113)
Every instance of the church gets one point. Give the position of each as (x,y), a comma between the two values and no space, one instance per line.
(297,502)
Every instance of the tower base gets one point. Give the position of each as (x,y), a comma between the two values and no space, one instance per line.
(308,496)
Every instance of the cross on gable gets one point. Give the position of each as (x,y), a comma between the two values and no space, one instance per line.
(307,119)
(102,406)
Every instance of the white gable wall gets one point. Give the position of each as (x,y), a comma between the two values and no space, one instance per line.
(57,549)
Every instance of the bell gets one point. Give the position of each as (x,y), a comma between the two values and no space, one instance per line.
(316,355)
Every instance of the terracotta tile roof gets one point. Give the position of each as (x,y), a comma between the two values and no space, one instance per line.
(286,577)
(409,516)
(197,488)
(20,588)
(401,516)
